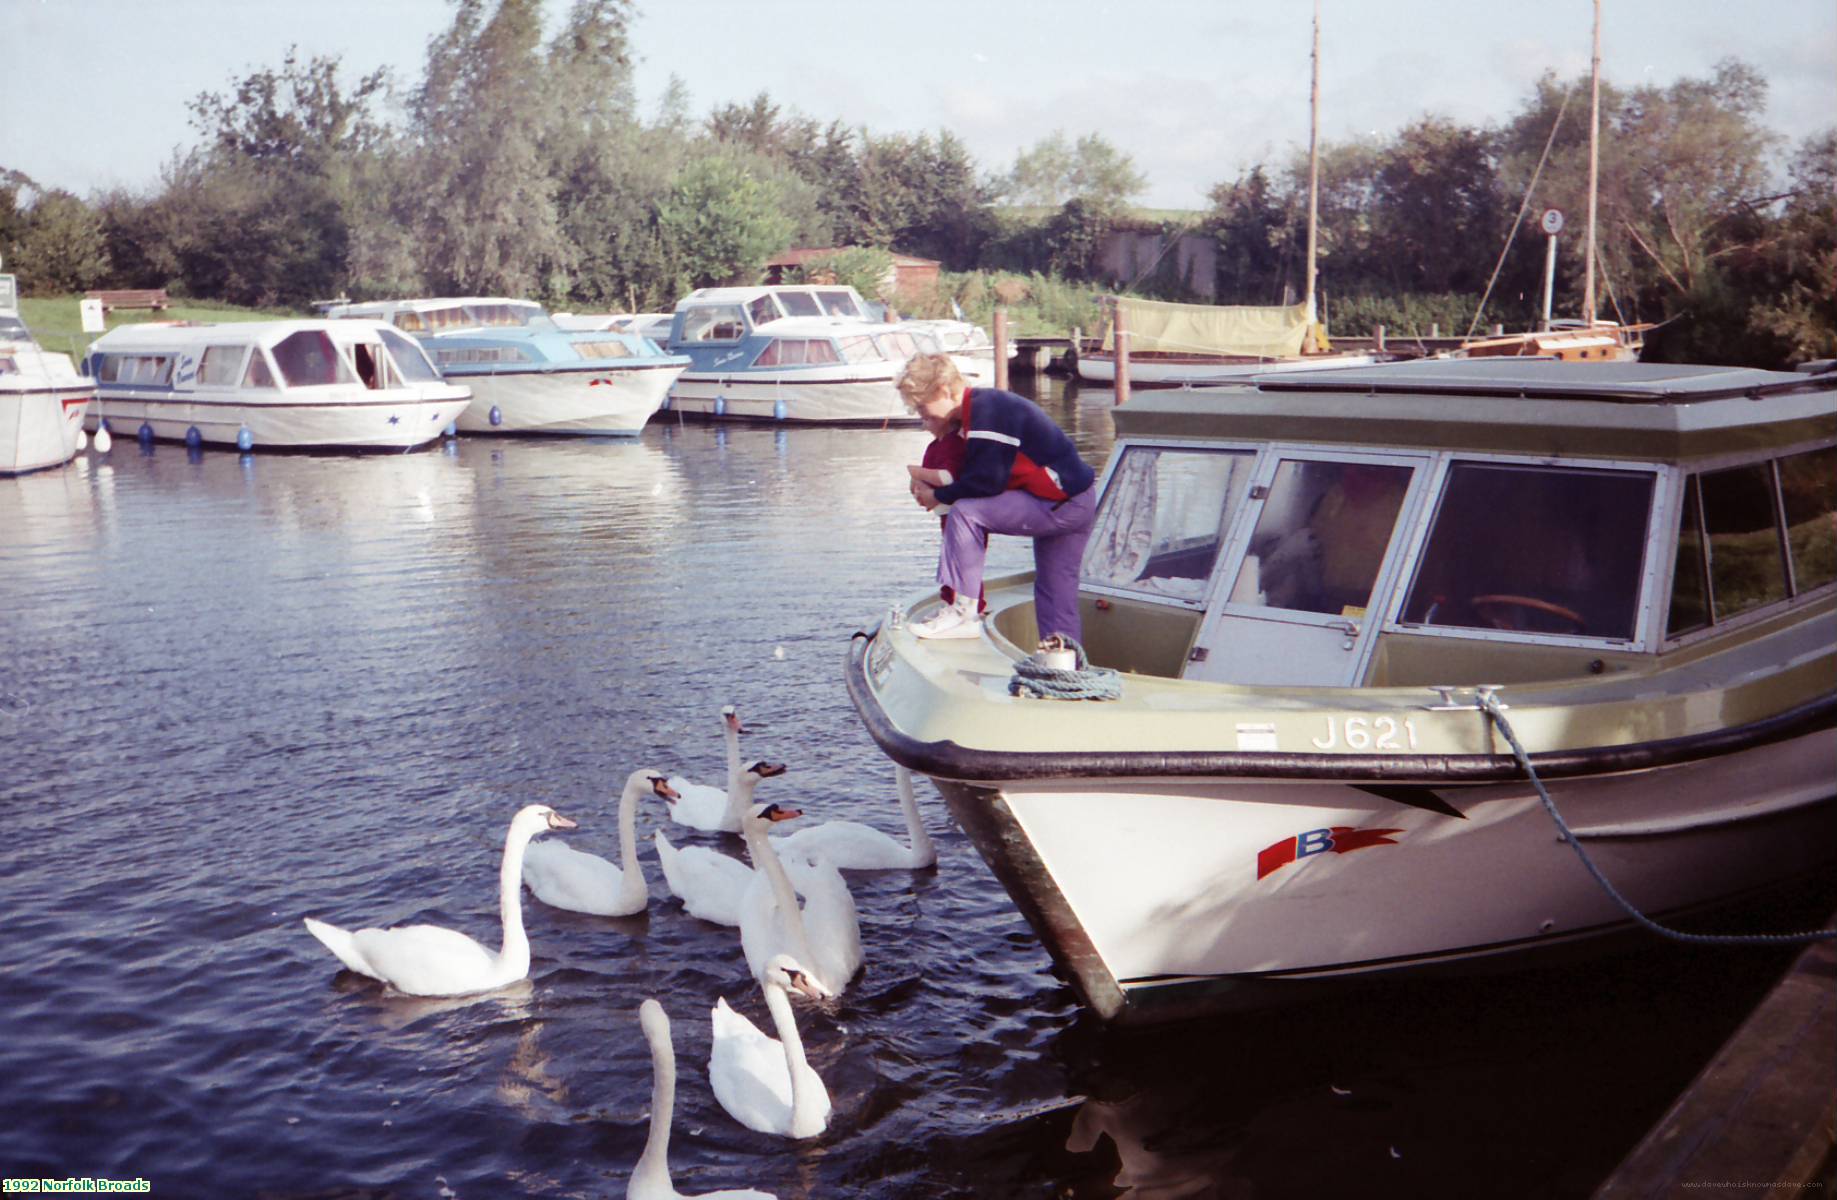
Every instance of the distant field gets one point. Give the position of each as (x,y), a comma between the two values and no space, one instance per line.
(57,322)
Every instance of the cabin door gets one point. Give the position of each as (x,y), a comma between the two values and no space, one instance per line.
(1310,569)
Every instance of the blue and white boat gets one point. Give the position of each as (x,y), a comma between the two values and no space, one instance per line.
(527,373)
(271,384)
(788,353)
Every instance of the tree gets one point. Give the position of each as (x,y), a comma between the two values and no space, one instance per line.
(1436,208)
(1249,219)
(1091,171)
(62,248)
(299,115)
(720,224)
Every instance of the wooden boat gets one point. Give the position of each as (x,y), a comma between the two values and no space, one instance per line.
(1312,586)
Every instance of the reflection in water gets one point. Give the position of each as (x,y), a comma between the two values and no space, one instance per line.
(241,689)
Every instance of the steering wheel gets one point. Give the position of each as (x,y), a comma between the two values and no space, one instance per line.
(1494,610)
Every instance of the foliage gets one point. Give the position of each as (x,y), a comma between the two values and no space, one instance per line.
(1404,316)
(865,268)
(1054,171)
(720,224)
(61,247)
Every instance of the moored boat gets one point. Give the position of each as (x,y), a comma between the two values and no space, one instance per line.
(788,353)
(527,373)
(1315,587)
(271,385)
(42,397)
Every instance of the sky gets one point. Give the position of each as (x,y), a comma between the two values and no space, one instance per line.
(93,93)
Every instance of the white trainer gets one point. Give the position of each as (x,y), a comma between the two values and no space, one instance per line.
(958,620)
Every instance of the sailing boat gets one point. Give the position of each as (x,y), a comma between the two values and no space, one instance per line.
(1590,339)
(1183,345)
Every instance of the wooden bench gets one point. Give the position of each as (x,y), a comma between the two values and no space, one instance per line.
(154,298)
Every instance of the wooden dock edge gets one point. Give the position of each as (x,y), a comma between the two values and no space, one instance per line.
(1763,1114)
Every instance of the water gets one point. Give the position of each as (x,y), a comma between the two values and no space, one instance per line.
(235,692)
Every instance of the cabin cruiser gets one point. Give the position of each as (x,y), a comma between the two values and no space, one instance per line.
(1194,345)
(271,384)
(529,374)
(1337,604)
(42,397)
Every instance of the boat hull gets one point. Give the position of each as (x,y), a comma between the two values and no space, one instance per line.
(613,402)
(330,421)
(1169,898)
(40,426)
(1200,370)
(809,399)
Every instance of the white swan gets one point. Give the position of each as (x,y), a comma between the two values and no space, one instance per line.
(650,1179)
(765,1083)
(713,809)
(563,877)
(824,935)
(853,846)
(711,884)
(426,960)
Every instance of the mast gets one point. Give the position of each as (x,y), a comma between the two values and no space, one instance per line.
(1594,167)
(1314,164)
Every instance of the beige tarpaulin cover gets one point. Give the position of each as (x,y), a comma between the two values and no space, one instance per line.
(1274,332)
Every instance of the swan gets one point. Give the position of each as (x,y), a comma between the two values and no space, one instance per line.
(563,877)
(426,960)
(765,1083)
(853,846)
(713,809)
(825,934)
(710,884)
(650,1179)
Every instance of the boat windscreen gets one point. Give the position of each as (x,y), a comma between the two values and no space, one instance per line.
(410,363)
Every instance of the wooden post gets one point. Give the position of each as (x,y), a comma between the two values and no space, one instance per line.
(1377,338)
(1120,334)
(1001,347)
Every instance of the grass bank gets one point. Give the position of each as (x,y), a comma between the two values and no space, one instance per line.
(57,321)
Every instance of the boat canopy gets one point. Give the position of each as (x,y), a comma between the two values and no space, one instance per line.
(1278,331)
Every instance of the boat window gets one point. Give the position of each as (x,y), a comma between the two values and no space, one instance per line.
(819,352)
(1746,568)
(800,304)
(155,369)
(1534,549)
(1321,537)
(713,323)
(1808,486)
(8,366)
(602,349)
(448,356)
(1689,584)
(762,309)
(410,361)
(861,349)
(308,359)
(258,375)
(1163,518)
(840,304)
(772,355)
(220,366)
(410,322)
(369,359)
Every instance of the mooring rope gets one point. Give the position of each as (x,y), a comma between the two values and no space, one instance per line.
(1489,704)
(1081,682)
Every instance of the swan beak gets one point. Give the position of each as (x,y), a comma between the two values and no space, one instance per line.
(557,821)
(662,788)
(733,721)
(766,770)
(776,813)
(808,986)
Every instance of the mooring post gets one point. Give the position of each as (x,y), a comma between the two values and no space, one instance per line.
(1120,332)
(1001,347)
(1377,338)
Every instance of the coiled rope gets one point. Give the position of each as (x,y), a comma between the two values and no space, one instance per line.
(1082,682)
(1489,704)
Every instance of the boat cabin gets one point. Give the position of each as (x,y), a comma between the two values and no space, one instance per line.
(1459,522)
(742,329)
(257,356)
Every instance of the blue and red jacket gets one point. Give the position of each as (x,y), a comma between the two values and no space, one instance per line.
(1011,442)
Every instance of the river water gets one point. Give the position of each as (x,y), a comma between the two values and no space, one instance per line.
(235,691)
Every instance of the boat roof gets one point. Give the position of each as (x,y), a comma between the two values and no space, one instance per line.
(422,304)
(159,337)
(1644,411)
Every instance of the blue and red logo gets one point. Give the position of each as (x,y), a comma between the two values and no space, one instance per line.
(1341,839)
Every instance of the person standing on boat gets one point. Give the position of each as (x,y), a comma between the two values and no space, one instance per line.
(1021,475)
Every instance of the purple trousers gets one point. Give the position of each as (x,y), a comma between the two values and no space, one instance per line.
(1059,530)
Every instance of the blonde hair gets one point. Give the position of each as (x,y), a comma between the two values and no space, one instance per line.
(924,374)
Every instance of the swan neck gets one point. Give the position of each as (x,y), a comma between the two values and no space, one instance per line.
(740,786)
(915,825)
(785,1021)
(514,953)
(631,882)
(765,860)
(654,1163)
(733,757)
